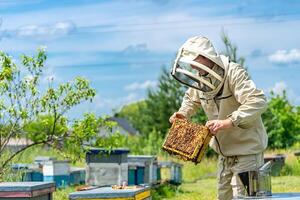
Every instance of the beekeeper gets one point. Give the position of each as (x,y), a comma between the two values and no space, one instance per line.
(232,104)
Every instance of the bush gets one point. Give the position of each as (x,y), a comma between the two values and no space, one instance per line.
(282,121)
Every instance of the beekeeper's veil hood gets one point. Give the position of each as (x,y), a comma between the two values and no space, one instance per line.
(209,84)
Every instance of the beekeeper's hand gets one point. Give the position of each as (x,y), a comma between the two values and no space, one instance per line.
(216,125)
(176,115)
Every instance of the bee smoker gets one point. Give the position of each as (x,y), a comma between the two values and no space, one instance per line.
(257,183)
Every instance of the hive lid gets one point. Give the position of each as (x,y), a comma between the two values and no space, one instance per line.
(24,186)
(106,151)
(43,158)
(108,192)
(275,196)
(141,158)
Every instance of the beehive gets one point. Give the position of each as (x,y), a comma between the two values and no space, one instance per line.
(142,169)
(77,176)
(106,167)
(26,190)
(187,140)
(171,172)
(108,193)
(57,171)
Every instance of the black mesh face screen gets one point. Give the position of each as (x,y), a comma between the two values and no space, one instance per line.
(191,82)
(207,77)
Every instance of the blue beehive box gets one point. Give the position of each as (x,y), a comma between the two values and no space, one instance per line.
(143,169)
(142,193)
(136,175)
(77,176)
(42,159)
(57,171)
(33,175)
(26,190)
(158,173)
(175,170)
(29,172)
(19,166)
(101,155)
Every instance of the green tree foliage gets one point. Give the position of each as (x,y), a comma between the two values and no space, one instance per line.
(162,102)
(154,112)
(134,113)
(150,143)
(282,122)
(26,112)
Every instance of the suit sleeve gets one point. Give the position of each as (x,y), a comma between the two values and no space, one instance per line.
(253,101)
(190,103)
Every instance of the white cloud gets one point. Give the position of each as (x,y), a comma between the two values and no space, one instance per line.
(285,56)
(281,86)
(278,88)
(110,104)
(131,97)
(42,32)
(140,86)
(135,49)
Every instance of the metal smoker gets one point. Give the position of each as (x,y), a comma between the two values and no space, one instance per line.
(257,183)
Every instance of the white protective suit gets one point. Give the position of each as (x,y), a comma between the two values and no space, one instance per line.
(237,98)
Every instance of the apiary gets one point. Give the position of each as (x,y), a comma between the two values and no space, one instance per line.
(187,140)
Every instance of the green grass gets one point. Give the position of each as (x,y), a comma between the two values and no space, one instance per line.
(199,181)
(206,169)
(29,155)
(206,189)
(63,194)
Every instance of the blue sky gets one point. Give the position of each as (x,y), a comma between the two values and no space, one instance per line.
(120,46)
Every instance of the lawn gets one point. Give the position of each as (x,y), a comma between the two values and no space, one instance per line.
(199,181)
(205,189)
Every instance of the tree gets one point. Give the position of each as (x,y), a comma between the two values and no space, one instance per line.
(152,114)
(281,120)
(134,114)
(162,102)
(26,112)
